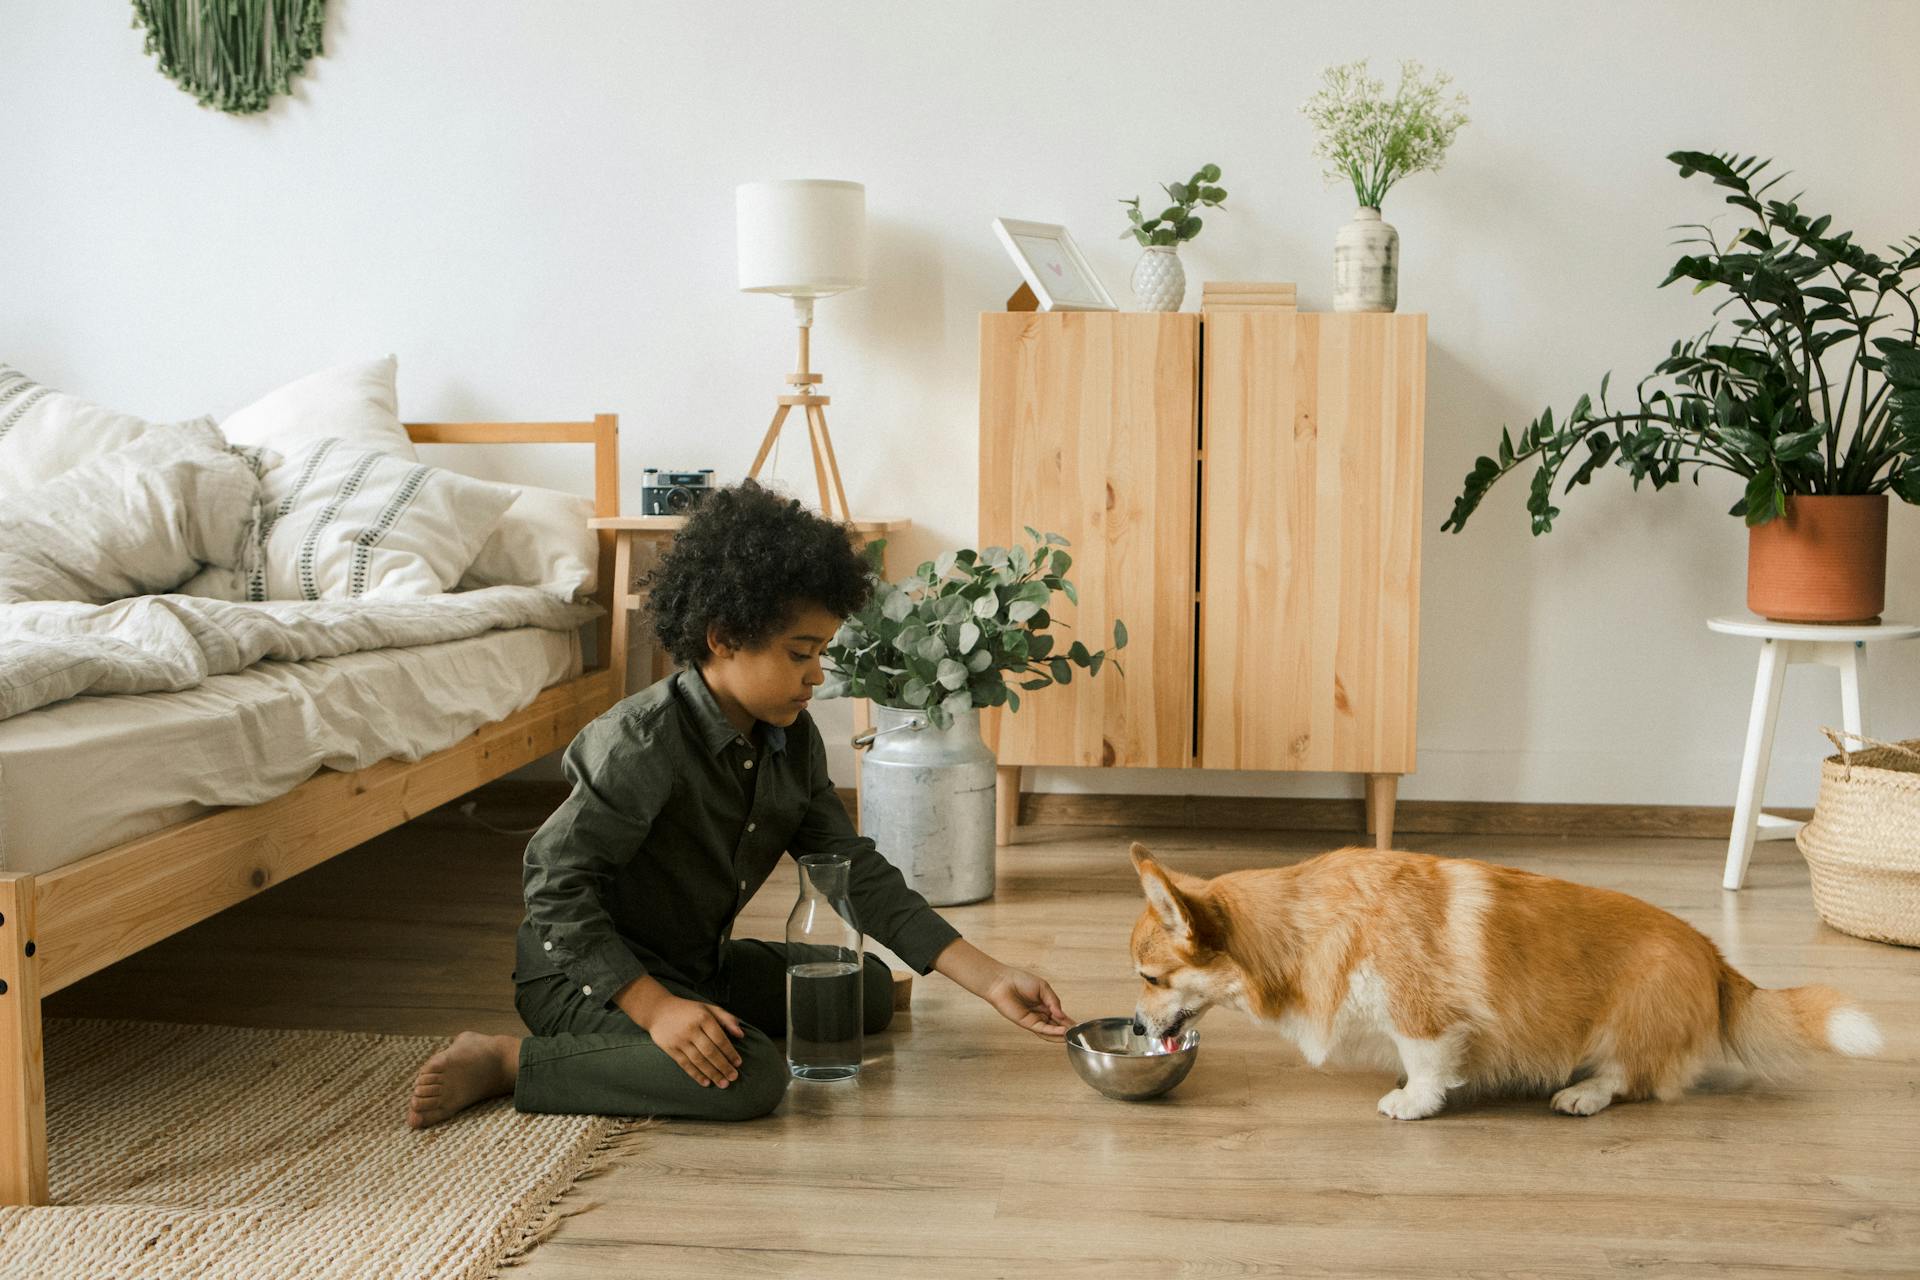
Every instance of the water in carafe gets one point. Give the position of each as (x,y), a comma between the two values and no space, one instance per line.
(825,971)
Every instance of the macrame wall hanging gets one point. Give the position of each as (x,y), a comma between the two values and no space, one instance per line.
(232,54)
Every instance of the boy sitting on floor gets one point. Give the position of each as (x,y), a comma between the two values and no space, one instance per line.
(684,798)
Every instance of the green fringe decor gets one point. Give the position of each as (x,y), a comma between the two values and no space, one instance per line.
(232,54)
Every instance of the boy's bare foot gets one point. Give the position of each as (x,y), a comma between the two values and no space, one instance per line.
(471,1069)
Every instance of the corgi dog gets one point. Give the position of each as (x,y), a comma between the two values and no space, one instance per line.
(1469,976)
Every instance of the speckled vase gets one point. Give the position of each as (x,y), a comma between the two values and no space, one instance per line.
(1159,281)
(1366,264)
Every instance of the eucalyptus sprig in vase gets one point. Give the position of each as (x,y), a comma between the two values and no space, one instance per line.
(1159,281)
(1372,141)
(929,653)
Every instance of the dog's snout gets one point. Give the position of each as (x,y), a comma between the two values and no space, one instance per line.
(1139,1027)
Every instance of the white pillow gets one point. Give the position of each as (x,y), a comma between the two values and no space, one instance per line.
(132,522)
(338,522)
(44,432)
(543,541)
(351,402)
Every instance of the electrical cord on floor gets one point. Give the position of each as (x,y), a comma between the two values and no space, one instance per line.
(470,811)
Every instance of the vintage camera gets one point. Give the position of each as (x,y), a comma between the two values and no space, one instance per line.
(674,493)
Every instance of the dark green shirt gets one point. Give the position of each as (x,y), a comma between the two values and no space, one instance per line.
(675,820)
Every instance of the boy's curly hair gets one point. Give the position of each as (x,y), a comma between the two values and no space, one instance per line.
(745,561)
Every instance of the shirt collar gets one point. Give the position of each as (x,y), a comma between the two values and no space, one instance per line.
(716,731)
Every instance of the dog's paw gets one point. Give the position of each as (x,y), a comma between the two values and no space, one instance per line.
(1412,1104)
(1583,1099)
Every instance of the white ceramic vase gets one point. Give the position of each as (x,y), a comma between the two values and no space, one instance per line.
(1159,281)
(1366,264)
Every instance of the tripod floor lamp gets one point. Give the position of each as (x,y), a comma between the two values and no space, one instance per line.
(804,238)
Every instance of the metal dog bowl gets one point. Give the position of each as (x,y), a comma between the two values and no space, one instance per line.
(1107,1055)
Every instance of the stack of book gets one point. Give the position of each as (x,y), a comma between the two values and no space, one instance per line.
(1218,295)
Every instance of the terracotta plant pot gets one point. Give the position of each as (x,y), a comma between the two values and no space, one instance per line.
(1824,561)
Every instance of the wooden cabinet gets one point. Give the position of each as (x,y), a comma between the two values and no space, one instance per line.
(1092,428)
(1309,537)
(1244,492)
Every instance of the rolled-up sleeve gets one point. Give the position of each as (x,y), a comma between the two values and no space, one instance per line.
(887,909)
(618,791)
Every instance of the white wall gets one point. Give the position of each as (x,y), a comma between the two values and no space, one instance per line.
(532,205)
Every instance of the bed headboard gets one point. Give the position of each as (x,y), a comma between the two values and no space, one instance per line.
(603,433)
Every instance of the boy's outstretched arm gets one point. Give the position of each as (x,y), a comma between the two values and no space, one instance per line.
(1022,998)
(892,912)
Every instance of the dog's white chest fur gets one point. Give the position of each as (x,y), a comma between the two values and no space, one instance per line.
(1361,1031)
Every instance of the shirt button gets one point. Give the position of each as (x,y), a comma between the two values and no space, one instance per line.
(547,946)
(750,826)
(586,991)
(743,886)
(746,764)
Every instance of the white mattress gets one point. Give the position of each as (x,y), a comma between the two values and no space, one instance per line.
(86,774)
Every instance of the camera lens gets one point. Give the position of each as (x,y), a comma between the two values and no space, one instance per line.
(679,500)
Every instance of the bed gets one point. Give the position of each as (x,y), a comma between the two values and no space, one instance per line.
(141,845)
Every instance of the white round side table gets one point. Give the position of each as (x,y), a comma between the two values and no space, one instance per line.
(1781,645)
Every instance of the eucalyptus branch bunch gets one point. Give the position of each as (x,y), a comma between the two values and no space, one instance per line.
(1766,403)
(1177,223)
(1372,141)
(947,639)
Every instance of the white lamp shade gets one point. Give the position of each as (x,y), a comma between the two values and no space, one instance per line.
(802,237)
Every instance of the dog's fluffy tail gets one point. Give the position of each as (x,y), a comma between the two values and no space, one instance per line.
(1774,1032)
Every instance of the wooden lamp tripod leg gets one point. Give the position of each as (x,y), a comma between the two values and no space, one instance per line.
(767,441)
(819,461)
(823,444)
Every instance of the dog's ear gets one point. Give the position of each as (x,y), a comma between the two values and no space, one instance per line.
(1140,855)
(1168,903)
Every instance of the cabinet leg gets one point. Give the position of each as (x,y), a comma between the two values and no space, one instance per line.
(1006,803)
(23,1088)
(1382,789)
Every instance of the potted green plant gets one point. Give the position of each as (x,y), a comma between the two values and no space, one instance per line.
(1373,142)
(929,653)
(1159,281)
(1817,414)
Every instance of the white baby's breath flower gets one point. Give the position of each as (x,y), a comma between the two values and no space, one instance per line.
(1373,142)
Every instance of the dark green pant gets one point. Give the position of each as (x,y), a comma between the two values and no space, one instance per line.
(585,1058)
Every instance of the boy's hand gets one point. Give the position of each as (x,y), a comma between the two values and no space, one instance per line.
(1020,997)
(1026,1000)
(693,1033)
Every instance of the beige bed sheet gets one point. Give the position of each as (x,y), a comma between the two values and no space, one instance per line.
(92,772)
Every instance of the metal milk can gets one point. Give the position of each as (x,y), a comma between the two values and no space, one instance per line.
(926,799)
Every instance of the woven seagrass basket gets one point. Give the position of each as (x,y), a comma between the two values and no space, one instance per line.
(1863,844)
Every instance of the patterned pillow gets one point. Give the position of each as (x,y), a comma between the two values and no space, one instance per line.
(338,522)
(44,432)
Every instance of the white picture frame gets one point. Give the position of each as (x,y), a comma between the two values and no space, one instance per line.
(1053,266)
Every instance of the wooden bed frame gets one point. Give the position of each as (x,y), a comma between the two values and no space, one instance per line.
(58,926)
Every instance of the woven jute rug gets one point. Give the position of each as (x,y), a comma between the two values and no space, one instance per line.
(220,1151)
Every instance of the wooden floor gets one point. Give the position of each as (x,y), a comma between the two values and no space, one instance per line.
(969,1149)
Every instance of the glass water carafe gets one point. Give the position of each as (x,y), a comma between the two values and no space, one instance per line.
(825,960)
